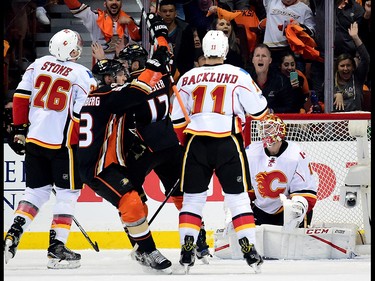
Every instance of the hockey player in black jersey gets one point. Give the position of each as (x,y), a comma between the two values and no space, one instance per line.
(104,143)
(153,126)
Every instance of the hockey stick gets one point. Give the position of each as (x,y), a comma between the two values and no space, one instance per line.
(165,201)
(94,245)
(174,88)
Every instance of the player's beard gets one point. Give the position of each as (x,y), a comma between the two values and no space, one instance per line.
(113,10)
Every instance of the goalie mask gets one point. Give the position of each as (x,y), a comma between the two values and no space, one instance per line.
(134,58)
(107,67)
(63,43)
(271,130)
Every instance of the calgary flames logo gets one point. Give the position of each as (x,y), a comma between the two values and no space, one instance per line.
(265,181)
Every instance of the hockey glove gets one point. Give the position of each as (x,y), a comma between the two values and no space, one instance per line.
(294,211)
(8,117)
(157,26)
(137,149)
(17,139)
(299,206)
(159,60)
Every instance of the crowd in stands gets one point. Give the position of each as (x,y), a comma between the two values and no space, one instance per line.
(265,38)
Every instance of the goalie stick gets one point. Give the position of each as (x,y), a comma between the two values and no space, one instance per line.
(174,88)
(94,245)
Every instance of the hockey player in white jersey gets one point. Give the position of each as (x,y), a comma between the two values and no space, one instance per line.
(217,96)
(46,110)
(284,189)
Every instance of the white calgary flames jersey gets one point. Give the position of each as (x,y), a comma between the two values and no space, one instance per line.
(279,15)
(288,173)
(50,97)
(217,99)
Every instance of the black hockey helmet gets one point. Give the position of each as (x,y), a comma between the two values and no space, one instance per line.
(106,67)
(132,53)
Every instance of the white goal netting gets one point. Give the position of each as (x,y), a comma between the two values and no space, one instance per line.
(326,140)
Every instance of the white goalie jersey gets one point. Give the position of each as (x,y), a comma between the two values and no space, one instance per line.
(288,173)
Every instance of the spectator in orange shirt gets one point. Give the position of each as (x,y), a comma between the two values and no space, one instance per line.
(109,27)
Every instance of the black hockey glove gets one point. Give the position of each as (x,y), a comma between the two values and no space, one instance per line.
(17,138)
(137,149)
(159,60)
(157,26)
(8,117)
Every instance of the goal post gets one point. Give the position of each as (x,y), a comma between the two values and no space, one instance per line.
(329,141)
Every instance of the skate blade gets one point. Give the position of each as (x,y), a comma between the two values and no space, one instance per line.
(7,254)
(204,259)
(257,269)
(148,269)
(63,264)
(186,268)
(165,271)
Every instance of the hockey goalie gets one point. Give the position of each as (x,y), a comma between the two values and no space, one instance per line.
(283,197)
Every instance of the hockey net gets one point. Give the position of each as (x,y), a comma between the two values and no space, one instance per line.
(327,141)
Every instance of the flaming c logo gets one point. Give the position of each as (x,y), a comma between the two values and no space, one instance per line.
(265,181)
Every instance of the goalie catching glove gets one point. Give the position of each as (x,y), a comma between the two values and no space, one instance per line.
(294,211)
(17,139)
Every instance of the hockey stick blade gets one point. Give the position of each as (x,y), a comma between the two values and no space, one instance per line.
(94,245)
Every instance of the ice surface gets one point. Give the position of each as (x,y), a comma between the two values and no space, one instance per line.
(108,265)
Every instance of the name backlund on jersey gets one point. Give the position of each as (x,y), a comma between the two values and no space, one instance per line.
(207,77)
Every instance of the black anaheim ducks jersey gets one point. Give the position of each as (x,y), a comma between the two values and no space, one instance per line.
(152,118)
(104,135)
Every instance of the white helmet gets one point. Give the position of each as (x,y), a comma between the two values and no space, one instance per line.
(215,44)
(63,43)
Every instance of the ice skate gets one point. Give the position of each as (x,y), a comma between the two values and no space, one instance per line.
(251,255)
(202,250)
(187,257)
(60,257)
(155,260)
(12,238)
